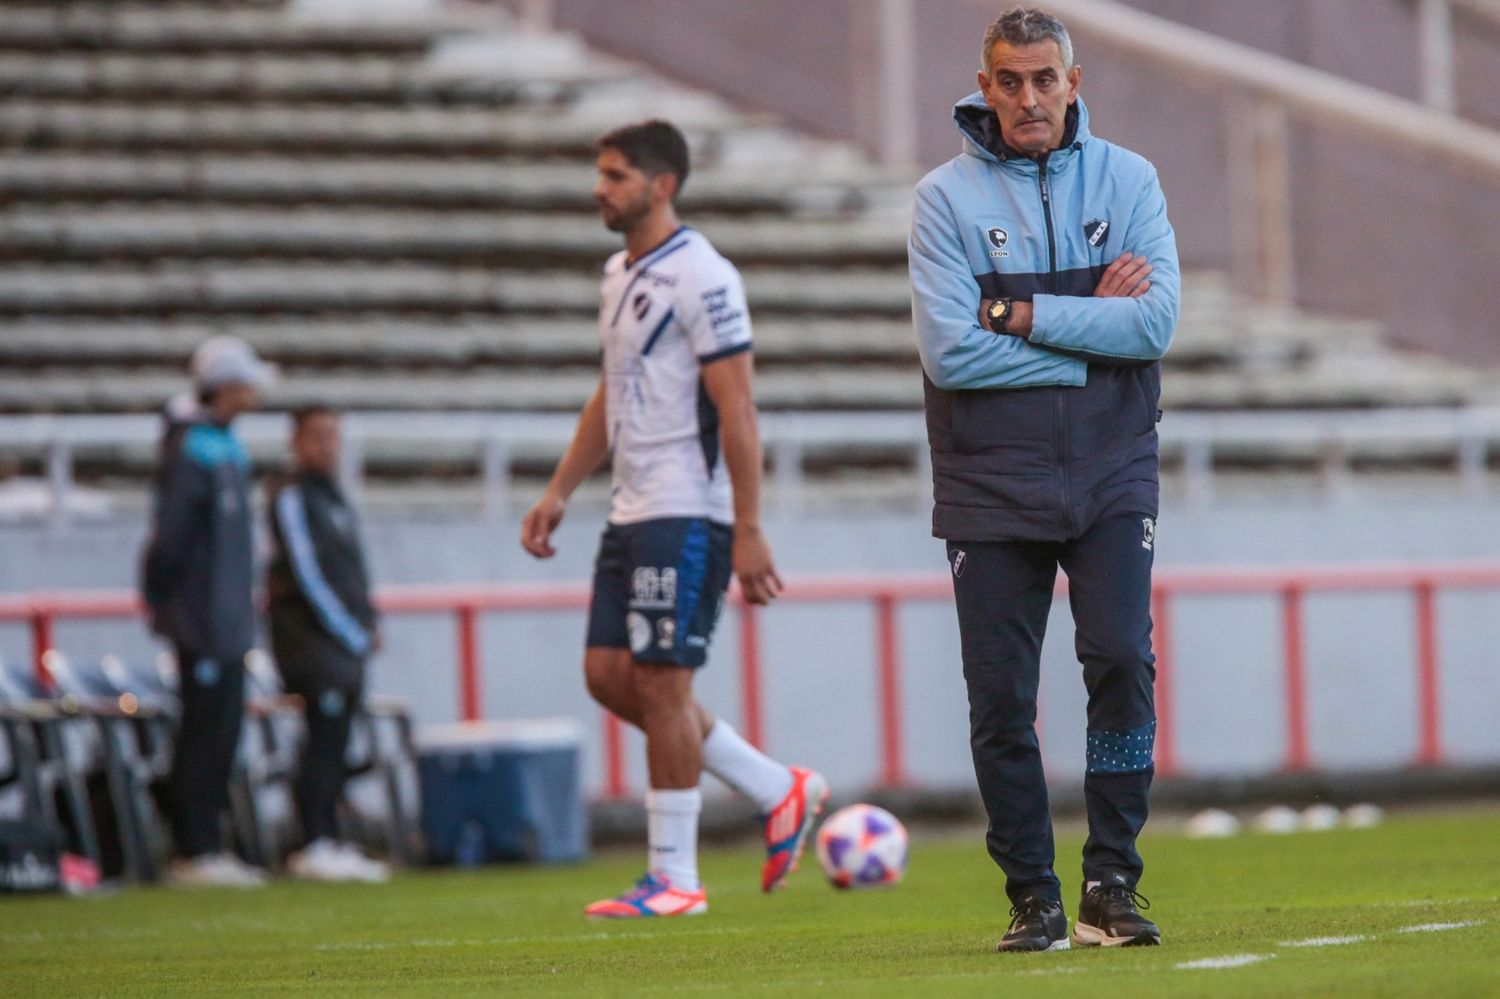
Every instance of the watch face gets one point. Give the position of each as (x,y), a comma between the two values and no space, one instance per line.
(999,309)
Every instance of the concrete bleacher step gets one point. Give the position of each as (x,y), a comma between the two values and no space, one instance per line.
(364,131)
(795,385)
(1332,382)
(514,239)
(291,287)
(362,78)
(860,312)
(394,341)
(56,179)
(224,126)
(498,388)
(167,28)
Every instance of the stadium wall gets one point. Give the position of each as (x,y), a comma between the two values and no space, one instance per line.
(1372,226)
(820,659)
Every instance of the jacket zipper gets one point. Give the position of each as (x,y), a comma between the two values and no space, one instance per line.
(1047,216)
(1065,514)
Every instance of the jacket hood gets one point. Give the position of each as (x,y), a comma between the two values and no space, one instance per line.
(981,129)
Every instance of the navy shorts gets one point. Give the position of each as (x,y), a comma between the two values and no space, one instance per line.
(658,588)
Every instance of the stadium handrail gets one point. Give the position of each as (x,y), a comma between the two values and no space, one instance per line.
(887,593)
(1314,95)
(1193,438)
(1264,91)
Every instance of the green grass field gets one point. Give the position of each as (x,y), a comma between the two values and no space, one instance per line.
(508,930)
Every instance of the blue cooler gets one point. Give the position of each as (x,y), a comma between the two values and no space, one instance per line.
(502,790)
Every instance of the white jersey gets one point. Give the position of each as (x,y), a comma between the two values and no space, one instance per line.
(661,319)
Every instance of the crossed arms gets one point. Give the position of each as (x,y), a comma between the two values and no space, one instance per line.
(1050,340)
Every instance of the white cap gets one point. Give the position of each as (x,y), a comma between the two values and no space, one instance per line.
(228,360)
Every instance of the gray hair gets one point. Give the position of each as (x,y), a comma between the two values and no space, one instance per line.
(1027,26)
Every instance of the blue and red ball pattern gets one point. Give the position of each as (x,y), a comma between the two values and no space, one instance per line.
(862,846)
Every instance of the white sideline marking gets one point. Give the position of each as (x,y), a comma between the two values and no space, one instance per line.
(386,945)
(137,932)
(1440,927)
(1325,941)
(552,938)
(1231,961)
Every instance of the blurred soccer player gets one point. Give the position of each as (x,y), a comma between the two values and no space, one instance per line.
(674,413)
(1045,283)
(196,580)
(323,629)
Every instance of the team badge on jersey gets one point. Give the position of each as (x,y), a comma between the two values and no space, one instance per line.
(998,237)
(1094,230)
(640,305)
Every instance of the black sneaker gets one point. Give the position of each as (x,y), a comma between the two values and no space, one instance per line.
(1036,924)
(1108,917)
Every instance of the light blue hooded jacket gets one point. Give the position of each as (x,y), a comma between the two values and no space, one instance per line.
(1037,439)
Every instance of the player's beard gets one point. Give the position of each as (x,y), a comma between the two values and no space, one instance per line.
(628,216)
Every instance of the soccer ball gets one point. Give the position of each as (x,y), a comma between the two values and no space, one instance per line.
(862,846)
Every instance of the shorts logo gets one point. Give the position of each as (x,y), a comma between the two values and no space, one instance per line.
(957,560)
(666,633)
(653,588)
(640,631)
(998,237)
(331,703)
(1094,230)
(206,672)
(341,520)
(1148,535)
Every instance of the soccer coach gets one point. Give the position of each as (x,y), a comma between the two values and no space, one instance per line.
(1045,290)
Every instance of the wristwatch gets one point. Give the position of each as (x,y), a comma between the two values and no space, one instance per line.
(999,312)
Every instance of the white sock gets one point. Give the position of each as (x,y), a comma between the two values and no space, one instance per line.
(672,835)
(734,761)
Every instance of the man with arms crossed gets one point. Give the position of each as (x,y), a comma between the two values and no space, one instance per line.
(1040,332)
(674,412)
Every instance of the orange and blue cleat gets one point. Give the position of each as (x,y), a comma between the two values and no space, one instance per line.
(653,895)
(789,824)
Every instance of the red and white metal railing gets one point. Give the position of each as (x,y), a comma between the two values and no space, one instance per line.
(886,593)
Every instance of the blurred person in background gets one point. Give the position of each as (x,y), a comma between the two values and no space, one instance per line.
(1046,289)
(674,414)
(196,581)
(323,630)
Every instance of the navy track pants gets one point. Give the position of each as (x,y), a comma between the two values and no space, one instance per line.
(1003,592)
